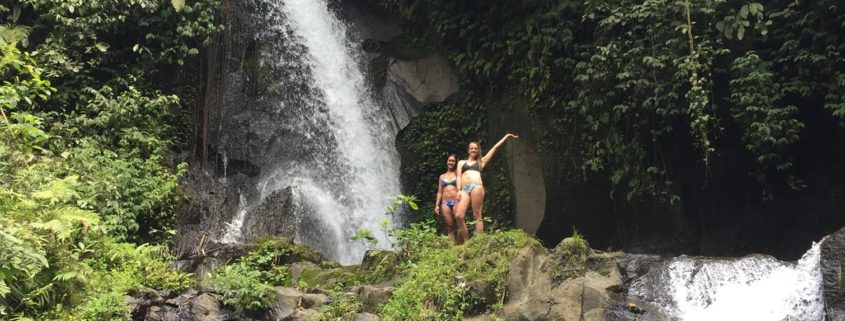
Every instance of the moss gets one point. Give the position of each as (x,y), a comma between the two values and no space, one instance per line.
(335,279)
(570,257)
(437,286)
(285,250)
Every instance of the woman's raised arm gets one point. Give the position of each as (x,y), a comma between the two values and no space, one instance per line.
(493,149)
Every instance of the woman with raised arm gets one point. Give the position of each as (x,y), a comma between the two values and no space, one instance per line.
(447,196)
(470,187)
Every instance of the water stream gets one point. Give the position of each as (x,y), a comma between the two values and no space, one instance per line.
(756,287)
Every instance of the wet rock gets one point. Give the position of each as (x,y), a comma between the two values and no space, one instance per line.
(428,80)
(832,262)
(623,311)
(373,297)
(271,217)
(371,21)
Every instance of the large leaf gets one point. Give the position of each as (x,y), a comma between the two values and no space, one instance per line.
(178,4)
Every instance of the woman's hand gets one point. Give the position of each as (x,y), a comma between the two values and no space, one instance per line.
(437,209)
(512,135)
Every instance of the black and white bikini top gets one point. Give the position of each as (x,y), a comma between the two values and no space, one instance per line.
(474,167)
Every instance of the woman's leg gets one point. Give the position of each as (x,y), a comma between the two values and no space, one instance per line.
(477,206)
(462,234)
(449,221)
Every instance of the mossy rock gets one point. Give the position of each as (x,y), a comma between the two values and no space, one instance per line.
(569,258)
(287,251)
(379,265)
(334,278)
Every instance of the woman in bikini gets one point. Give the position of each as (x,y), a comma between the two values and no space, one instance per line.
(447,196)
(471,189)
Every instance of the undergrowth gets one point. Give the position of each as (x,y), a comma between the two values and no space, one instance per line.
(436,286)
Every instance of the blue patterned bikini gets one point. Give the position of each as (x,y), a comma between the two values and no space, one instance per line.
(450,203)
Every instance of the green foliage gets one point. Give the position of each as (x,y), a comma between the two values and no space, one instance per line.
(769,129)
(11,32)
(249,284)
(116,269)
(612,84)
(438,274)
(22,80)
(736,24)
(578,238)
(342,307)
(81,153)
(242,287)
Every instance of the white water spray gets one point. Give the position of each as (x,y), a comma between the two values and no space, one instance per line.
(233,228)
(758,288)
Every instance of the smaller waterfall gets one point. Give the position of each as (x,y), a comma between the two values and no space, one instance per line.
(225,167)
(759,288)
(233,228)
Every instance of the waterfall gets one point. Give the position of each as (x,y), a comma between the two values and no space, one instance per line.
(233,228)
(757,287)
(336,149)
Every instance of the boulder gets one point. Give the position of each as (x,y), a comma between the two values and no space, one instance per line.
(528,286)
(569,258)
(373,297)
(288,301)
(373,259)
(206,307)
(304,315)
(428,80)
(297,269)
(314,300)
(832,263)
(570,283)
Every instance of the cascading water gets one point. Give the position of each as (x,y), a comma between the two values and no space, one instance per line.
(233,228)
(759,288)
(337,152)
